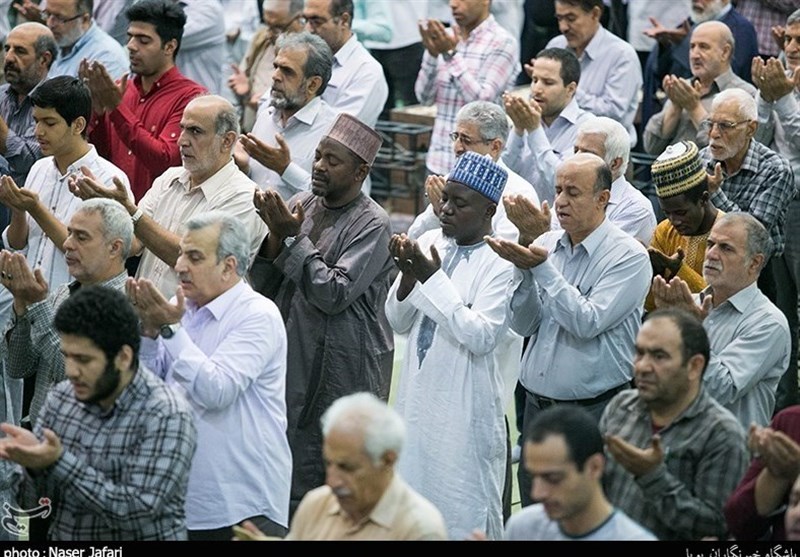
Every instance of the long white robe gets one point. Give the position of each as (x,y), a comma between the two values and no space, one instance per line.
(452,402)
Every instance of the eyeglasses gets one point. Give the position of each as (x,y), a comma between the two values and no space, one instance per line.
(60,19)
(278,29)
(316,21)
(723,127)
(466,141)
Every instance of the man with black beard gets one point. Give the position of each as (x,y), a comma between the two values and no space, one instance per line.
(279,152)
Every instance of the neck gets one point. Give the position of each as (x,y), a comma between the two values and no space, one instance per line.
(197,179)
(343,200)
(578,237)
(662,416)
(345,38)
(477,238)
(78,151)
(590,518)
(733,164)
(721,295)
(708,219)
(149,80)
(359,515)
(117,268)
(465,31)
(579,50)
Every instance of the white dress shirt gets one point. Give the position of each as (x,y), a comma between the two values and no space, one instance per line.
(202,49)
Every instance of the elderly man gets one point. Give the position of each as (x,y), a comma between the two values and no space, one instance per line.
(481,127)
(364,497)
(545,127)
(477,60)
(281,145)
(452,305)
(627,207)
(99,237)
(748,176)
(129,482)
(357,85)
(224,347)
(710,53)
(579,293)
(326,264)
(676,454)
(29,52)
(207,180)
(80,38)
(749,336)
(564,455)
(136,124)
(611,75)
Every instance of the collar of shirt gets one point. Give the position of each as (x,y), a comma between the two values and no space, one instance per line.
(66,52)
(596,47)
(169,76)
(14,98)
(75,167)
(590,243)
(219,305)
(382,514)
(723,81)
(618,190)
(305,115)
(696,407)
(213,185)
(740,301)
(346,51)
(570,113)
(125,399)
(484,27)
(117,282)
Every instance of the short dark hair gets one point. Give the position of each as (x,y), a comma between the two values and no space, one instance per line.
(166,16)
(85,6)
(340,7)
(104,316)
(67,95)
(575,424)
(585,5)
(570,67)
(603,178)
(319,56)
(46,43)
(694,339)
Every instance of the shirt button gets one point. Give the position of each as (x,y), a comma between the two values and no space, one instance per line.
(129,152)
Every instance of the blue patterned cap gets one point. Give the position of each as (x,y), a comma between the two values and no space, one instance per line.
(480,173)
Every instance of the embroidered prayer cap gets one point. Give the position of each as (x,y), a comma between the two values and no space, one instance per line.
(480,173)
(356,136)
(677,170)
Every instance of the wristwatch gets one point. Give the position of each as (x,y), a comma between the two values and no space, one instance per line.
(168,331)
(289,240)
(449,54)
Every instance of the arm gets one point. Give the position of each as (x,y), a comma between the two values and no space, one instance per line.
(620,90)
(372,21)
(33,342)
(788,110)
(21,151)
(205,25)
(525,306)
(425,221)
(400,313)
(744,522)
(365,94)
(773,198)
(425,85)
(658,133)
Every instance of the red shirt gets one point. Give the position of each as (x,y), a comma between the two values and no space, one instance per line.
(141,135)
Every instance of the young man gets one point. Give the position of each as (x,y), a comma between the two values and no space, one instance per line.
(452,303)
(130,482)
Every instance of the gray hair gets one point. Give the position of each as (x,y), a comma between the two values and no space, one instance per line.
(319,56)
(382,426)
(793,18)
(46,43)
(227,120)
(745,103)
(490,119)
(233,237)
(117,223)
(758,238)
(617,141)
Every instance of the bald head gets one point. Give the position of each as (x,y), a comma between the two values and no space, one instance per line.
(220,110)
(30,50)
(589,164)
(711,50)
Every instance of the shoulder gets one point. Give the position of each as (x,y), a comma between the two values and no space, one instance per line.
(721,423)
(161,400)
(528,524)
(623,243)
(625,528)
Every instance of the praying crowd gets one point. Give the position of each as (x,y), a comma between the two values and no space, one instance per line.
(214,327)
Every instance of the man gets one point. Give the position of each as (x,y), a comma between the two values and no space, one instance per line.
(224,347)
(792,522)
(749,336)
(363,497)
(202,44)
(452,305)
(327,265)
(670,55)
(80,38)
(252,78)
(778,102)
(482,128)
(676,454)
(137,125)
(130,482)
(759,181)
(62,107)
(357,85)
(288,129)
(628,208)
(564,456)
(545,127)
(207,180)
(711,50)
(611,75)
(98,241)
(578,292)
(477,60)
(678,246)
(29,51)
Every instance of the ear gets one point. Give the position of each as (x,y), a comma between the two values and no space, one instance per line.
(704,197)
(170,46)
(491,209)
(571,88)
(752,126)
(361,172)
(695,366)
(595,465)
(496,147)
(597,13)
(757,262)
(229,141)
(389,458)
(116,248)
(47,58)
(78,125)
(604,197)
(229,266)
(345,19)
(615,164)
(313,85)
(124,358)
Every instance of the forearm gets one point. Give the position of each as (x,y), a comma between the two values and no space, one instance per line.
(161,242)
(770,492)
(17,232)
(50,225)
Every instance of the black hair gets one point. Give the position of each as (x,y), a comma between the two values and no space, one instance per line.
(67,95)
(166,16)
(575,424)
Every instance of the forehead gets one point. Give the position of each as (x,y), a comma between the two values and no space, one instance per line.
(706,34)
(344,445)
(294,58)
(317,7)
(729,233)
(141,28)
(89,221)
(581,176)
(547,67)
(60,7)
(199,113)
(470,129)
(726,110)
(461,191)
(50,113)
(675,203)
(594,143)
(549,454)
(567,9)
(659,333)
(203,240)
(22,37)
(328,146)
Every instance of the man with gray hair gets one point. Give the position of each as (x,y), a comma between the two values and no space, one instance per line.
(749,336)
(279,152)
(207,180)
(745,175)
(224,346)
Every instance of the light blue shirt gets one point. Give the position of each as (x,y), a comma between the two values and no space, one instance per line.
(582,308)
(535,155)
(229,360)
(94,45)
(611,77)
(202,51)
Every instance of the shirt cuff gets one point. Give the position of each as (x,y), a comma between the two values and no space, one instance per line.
(175,346)
(546,275)
(295,177)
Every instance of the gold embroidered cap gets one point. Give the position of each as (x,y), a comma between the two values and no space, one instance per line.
(677,170)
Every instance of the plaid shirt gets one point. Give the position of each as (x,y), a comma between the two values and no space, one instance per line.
(31,345)
(764,16)
(763,187)
(482,68)
(704,457)
(124,472)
